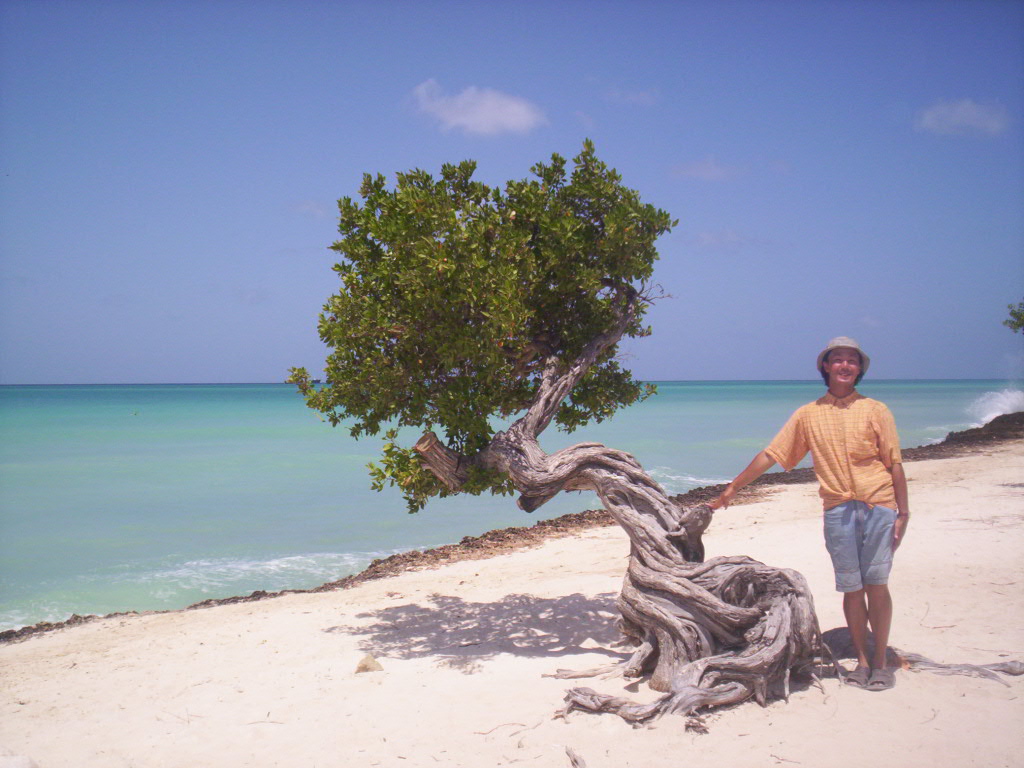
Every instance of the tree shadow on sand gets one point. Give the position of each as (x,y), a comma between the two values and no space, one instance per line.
(464,633)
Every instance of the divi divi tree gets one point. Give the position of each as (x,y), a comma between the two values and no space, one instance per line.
(462,305)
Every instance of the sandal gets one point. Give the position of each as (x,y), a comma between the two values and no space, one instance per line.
(881,680)
(859,677)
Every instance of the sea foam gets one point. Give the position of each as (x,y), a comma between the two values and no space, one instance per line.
(674,482)
(220,576)
(993,404)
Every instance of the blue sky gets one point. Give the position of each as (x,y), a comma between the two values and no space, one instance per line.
(169,171)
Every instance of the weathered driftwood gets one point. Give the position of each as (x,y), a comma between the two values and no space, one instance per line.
(706,633)
(986,671)
(574,758)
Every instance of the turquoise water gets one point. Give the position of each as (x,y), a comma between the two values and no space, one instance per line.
(116,498)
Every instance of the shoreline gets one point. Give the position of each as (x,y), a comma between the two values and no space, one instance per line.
(1002,429)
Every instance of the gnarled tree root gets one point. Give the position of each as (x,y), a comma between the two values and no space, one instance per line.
(766,615)
(915,662)
(713,682)
(837,641)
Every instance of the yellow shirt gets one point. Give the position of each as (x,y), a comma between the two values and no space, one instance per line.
(853,443)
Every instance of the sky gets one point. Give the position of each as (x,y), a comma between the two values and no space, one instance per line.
(169,171)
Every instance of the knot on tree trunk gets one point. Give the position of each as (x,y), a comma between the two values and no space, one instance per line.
(693,521)
(448,466)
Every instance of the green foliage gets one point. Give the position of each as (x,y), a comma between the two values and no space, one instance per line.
(1015,322)
(453,293)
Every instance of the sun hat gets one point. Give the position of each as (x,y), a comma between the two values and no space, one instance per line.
(845,341)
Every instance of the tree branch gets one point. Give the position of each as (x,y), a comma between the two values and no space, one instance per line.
(450,467)
(558,381)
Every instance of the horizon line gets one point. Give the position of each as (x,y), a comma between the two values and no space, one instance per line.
(644,381)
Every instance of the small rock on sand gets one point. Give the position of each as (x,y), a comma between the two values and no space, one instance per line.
(369,664)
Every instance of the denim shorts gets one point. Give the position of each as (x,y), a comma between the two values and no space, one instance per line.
(859,539)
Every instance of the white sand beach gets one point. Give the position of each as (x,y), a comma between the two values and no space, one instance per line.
(464,650)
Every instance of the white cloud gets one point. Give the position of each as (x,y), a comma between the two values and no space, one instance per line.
(871,321)
(311,208)
(722,239)
(586,120)
(632,98)
(726,240)
(964,116)
(482,111)
(708,169)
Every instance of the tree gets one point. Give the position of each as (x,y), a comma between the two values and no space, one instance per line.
(1015,322)
(460,303)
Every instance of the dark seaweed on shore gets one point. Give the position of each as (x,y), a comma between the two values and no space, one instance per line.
(1002,429)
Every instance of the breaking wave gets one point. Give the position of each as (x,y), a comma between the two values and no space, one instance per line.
(674,483)
(993,404)
(177,585)
(220,575)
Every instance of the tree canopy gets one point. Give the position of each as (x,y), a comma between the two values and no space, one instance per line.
(455,295)
(1015,322)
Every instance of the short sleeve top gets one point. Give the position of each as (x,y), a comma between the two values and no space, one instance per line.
(853,443)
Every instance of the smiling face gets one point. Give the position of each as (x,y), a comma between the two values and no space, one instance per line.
(842,367)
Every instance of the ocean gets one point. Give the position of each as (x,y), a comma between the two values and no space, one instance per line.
(153,497)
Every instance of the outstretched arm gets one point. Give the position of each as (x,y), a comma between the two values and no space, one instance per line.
(761,464)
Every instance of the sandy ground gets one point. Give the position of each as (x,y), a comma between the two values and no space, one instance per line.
(465,649)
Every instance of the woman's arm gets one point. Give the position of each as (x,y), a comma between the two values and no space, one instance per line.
(761,464)
(899,487)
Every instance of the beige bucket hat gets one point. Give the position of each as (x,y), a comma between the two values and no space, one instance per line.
(845,341)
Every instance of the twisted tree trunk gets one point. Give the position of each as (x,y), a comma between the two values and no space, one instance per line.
(706,633)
